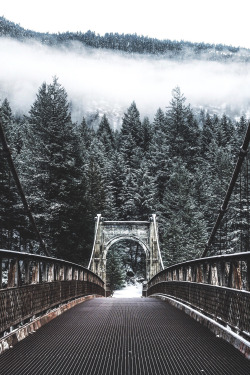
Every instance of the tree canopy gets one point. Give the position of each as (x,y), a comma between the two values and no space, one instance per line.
(177,166)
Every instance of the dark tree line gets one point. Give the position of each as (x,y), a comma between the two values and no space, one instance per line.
(130,43)
(177,166)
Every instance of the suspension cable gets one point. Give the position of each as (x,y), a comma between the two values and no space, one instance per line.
(20,190)
(242,155)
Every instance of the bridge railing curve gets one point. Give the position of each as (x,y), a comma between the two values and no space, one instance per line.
(32,284)
(217,286)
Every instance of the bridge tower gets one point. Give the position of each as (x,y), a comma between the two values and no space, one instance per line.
(109,232)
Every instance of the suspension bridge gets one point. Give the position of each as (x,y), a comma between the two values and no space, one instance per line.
(192,318)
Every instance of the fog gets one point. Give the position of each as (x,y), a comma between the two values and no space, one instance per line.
(108,82)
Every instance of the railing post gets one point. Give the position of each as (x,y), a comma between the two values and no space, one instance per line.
(26,264)
(81,275)
(62,273)
(214,274)
(40,278)
(13,265)
(35,273)
(1,273)
(174,275)
(19,272)
(43,268)
(248,275)
(199,278)
(56,272)
(181,274)
(75,275)
(221,273)
(209,273)
(236,282)
(69,273)
(51,273)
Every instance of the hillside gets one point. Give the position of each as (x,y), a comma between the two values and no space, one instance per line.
(130,43)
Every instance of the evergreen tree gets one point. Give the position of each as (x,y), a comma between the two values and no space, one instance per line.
(146,135)
(145,193)
(12,215)
(114,270)
(105,135)
(131,154)
(127,208)
(55,188)
(207,133)
(183,130)
(159,154)
(86,134)
(131,125)
(241,128)
(116,177)
(184,230)
(176,118)
(179,166)
(226,132)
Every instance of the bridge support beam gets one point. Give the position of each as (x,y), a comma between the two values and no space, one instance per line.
(107,233)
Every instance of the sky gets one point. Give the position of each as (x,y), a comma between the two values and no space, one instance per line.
(213,21)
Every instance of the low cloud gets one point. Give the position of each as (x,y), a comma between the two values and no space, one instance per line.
(109,81)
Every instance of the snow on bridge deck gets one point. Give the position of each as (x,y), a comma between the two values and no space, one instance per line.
(123,336)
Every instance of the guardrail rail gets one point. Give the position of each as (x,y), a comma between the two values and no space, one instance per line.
(217,286)
(32,284)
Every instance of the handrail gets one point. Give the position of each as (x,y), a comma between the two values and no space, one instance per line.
(9,254)
(217,287)
(32,284)
(208,270)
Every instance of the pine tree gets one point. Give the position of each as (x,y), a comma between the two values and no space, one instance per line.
(183,226)
(54,191)
(131,154)
(145,193)
(116,176)
(207,133)
(115,271)
(159,154)
(105,135)
(176,118)
(183,131)
(127,208)
(86,134)
(12,214)
(226,132)
(146,135)
(131,125)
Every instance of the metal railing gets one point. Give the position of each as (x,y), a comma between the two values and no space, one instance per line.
(217,286)
(32,284)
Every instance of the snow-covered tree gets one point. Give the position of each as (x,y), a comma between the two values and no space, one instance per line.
(54,191)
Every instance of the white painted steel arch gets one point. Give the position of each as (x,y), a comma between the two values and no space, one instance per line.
(130,238)
(108,233)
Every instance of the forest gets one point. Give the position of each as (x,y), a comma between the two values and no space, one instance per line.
(177,166)
(130,43)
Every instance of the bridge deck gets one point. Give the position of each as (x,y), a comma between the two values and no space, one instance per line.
(123,337)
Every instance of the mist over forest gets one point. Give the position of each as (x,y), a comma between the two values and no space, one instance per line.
(106,75)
